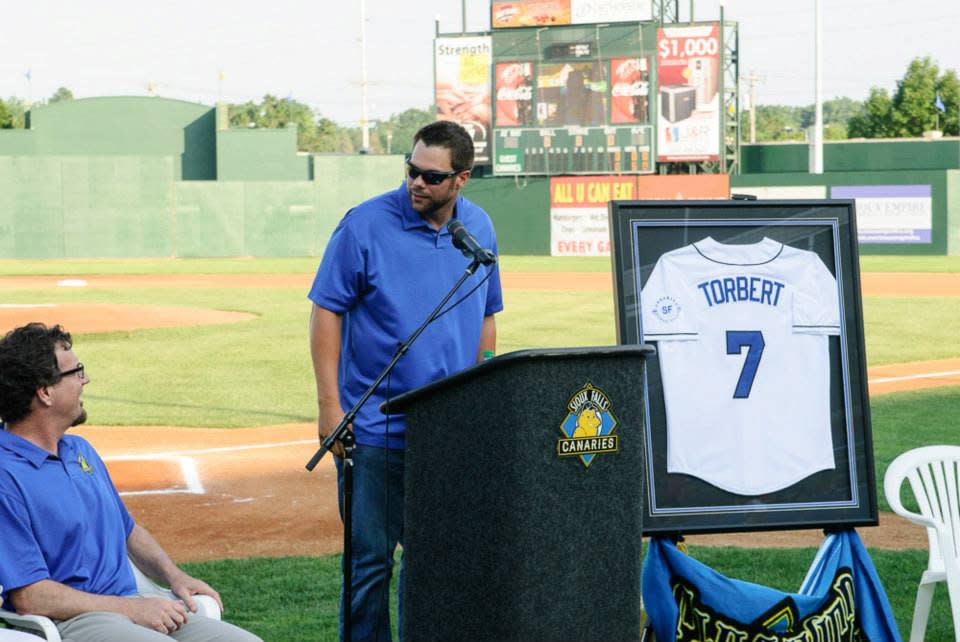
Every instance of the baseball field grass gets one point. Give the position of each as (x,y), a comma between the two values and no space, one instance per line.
(257,372)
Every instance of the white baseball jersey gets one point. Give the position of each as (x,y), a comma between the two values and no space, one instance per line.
(744,358)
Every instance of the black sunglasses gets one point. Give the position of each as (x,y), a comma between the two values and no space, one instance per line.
(77,371)
(429,177)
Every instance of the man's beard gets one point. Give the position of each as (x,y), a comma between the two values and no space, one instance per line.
(81,418)
(432,205)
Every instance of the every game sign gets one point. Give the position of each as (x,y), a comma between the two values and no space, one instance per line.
(578,212)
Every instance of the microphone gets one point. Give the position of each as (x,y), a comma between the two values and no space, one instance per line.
(467,243)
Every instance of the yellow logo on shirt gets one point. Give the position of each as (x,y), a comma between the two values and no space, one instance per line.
(84,466)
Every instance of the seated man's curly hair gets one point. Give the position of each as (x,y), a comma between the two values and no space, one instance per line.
(28,360)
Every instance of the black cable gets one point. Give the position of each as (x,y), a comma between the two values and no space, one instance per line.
(465,296)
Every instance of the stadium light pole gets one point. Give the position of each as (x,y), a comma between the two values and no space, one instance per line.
(816,160)
(364,120)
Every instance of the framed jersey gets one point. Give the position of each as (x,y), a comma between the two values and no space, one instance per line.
(757,398)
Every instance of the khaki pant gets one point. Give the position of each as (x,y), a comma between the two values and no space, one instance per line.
(113,627)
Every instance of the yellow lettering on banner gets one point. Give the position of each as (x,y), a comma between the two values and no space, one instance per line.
(599,192)
(580,188)
(562,193)
(622,191)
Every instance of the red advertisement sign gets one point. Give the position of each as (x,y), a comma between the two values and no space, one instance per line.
(547,13)
(530,13)
(683,187)
(689,101)
(629,93)
(514,82)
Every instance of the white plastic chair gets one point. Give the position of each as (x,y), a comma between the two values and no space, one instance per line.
(44,626)
(6,635)
(934,475)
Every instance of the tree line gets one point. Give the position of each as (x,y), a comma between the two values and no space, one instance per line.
(924,99)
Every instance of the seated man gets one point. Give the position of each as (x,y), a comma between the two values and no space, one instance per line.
(66,532)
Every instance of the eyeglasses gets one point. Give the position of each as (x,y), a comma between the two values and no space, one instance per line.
(77,371)
(429,177)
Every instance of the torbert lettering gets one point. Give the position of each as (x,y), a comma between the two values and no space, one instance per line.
(740,289)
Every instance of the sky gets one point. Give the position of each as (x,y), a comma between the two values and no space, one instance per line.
(310,51)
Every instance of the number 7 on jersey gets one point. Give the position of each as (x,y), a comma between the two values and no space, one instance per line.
(753,340)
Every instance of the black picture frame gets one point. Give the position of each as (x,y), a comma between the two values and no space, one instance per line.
(677,503)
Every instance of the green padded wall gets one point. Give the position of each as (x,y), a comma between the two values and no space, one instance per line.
(107,206)
(260,155)
(852,156)
(117,206)
(282,219)
(520,210)
(953,212)
(209,220)
(34,206)
(17,142)
(134,126)
(132,206)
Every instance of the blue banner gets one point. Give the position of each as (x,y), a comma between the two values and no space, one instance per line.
(841,599)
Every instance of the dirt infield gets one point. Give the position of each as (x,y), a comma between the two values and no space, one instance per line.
(219,493)
(101,317)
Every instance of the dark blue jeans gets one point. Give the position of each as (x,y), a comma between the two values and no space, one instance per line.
(377,529)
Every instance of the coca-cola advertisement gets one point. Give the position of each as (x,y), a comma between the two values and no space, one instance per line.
(514,94)
(630,90)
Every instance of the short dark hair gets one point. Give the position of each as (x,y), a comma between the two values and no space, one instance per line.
(448,134)
(28,360)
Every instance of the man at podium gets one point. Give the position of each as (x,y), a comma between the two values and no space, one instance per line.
(389,262)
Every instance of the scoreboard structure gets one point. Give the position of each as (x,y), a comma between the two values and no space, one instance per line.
(573,100)
(545,94)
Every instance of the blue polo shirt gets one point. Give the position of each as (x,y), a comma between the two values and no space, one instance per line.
(385,269)
(62,519)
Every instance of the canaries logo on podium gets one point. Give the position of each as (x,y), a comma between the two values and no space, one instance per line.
(588,427)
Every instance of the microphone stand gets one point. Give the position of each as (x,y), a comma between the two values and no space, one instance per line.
(347,440)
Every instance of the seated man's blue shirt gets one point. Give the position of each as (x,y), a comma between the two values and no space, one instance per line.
(62,519)
(385,269)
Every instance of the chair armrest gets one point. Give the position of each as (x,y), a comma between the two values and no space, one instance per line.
(207,606)
(892,481)
(34,623)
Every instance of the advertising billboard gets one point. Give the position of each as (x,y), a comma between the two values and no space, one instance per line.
(571,93)
(890,214)
(630,90)
(689,101)
(514,87)
(462,72)
(578,212)
(549,13)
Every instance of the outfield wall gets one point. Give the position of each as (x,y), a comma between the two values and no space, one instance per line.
(135,206)
(520,208)
(152,177)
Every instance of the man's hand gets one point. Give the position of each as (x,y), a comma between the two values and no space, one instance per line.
(327,423)
(157,613)
(185,587)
